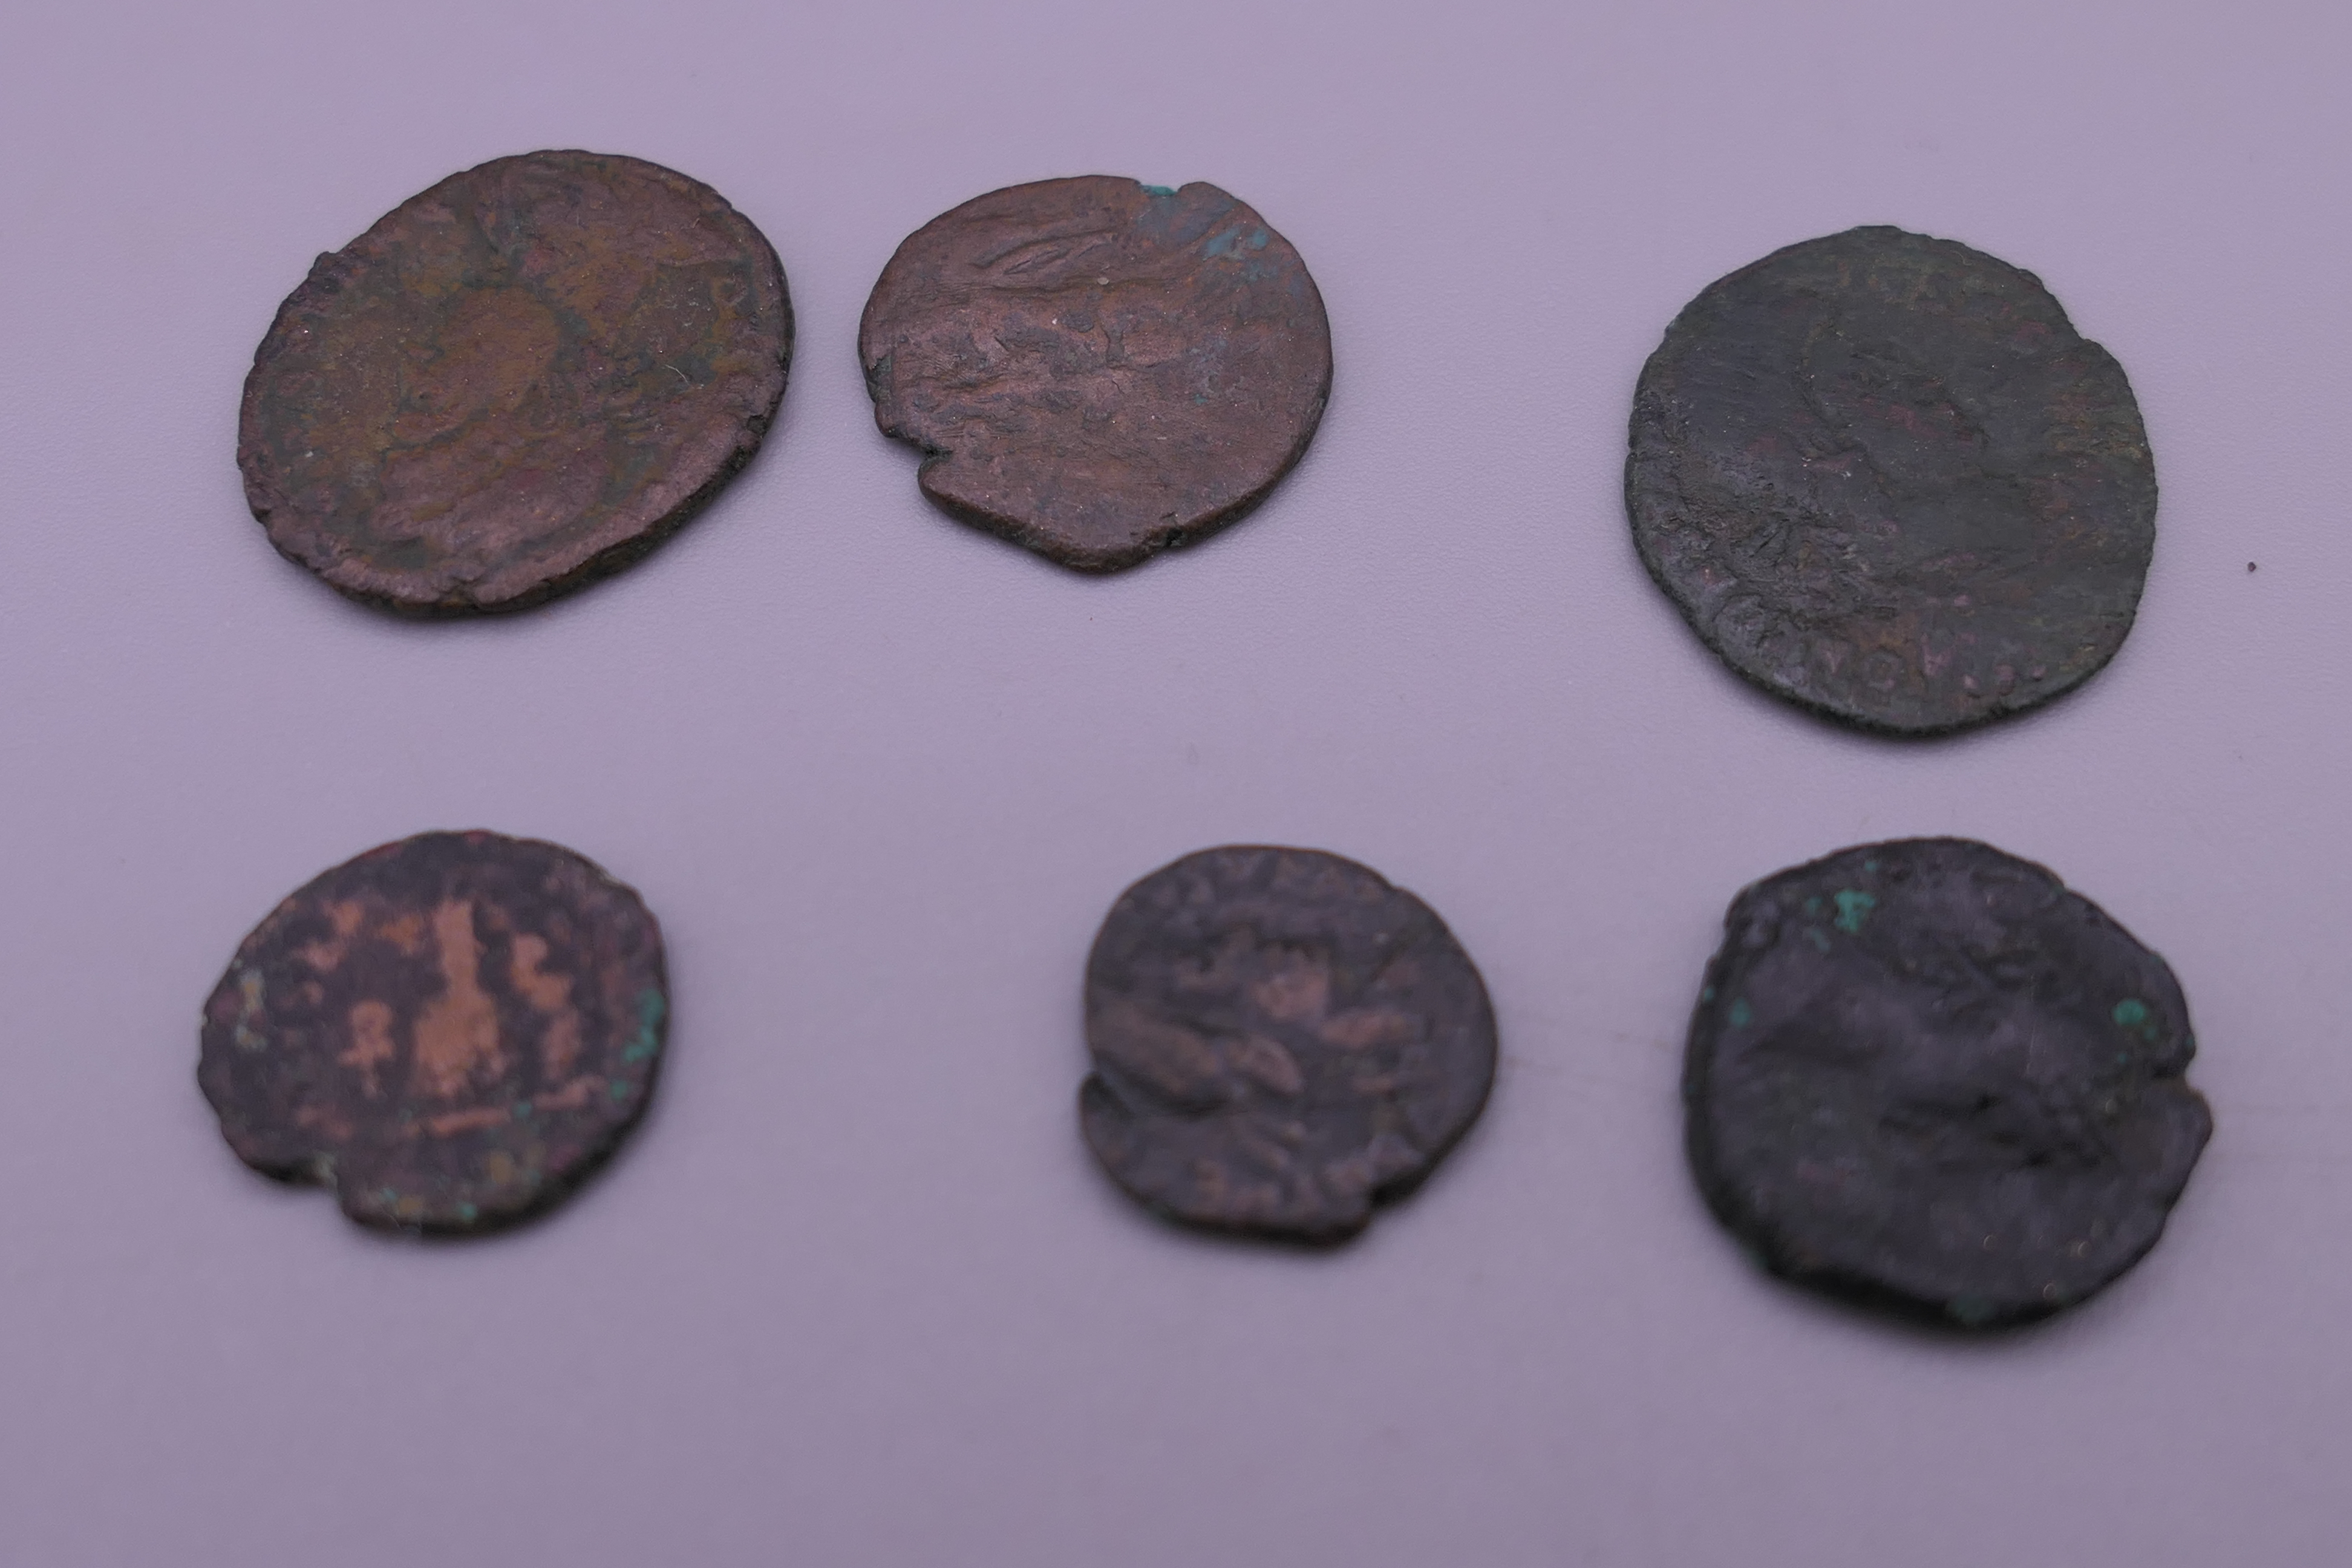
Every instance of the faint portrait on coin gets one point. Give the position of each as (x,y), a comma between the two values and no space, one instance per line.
(517,382)
(1884,477)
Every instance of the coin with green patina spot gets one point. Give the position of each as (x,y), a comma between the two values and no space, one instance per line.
(450,1033)
(1884,477)
(1928,1076)
(1280,1040)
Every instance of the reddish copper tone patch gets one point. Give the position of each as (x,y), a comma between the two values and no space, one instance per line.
(451,1032)
(517,382)
(1096,369)
(1281,1039)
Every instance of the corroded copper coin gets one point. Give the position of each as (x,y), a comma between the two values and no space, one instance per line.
(1884,477)
(517,382)
(1097,369)
(449,1033)
(1926,1075)
(1280,1039)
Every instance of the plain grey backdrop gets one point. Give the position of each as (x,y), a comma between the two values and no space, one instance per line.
(857,1293)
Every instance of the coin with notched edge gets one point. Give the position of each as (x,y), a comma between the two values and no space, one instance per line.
(1096,369)
(516,383)
(1927,1076)
(450,1032)
(1280,1039)
(1884,477)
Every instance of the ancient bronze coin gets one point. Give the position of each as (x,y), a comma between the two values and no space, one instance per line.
(450,1032)
(1280,1039)
(517,382)
(1926,1075)
(1884,478)
(1097,369)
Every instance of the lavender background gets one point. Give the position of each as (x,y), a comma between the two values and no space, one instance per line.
(856,1295)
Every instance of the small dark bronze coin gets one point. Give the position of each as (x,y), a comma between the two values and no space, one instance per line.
(517,382)
(1884,478)
(1926,1075)
(1280,1039)
(449,1032)
(1097,369)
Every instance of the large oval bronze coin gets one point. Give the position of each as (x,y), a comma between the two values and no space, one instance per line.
(517,382)
(1096,369)
(1280,1039)
(1884,477)
(1926,1075)
(449,1032)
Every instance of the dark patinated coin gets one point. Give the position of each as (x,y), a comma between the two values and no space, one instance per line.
(516,383)
(1884,478)
(450,1032)
(1926,1075)
(1097,369)
(1280,1038)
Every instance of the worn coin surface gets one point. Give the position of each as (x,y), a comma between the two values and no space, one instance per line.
(1927,1074)
(517,382)
(1099,369)
(449,1032)
(1884,477)
(1280,1039)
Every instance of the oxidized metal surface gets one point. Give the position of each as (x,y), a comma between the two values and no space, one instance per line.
(1926,1075)
(516,383)
(1280,1039)
(1097,369)
(1884,478)
(449,1032)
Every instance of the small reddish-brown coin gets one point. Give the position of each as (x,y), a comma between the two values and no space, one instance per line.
(1281,1039)
(449,1032)
(516,383)
(1097,369)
